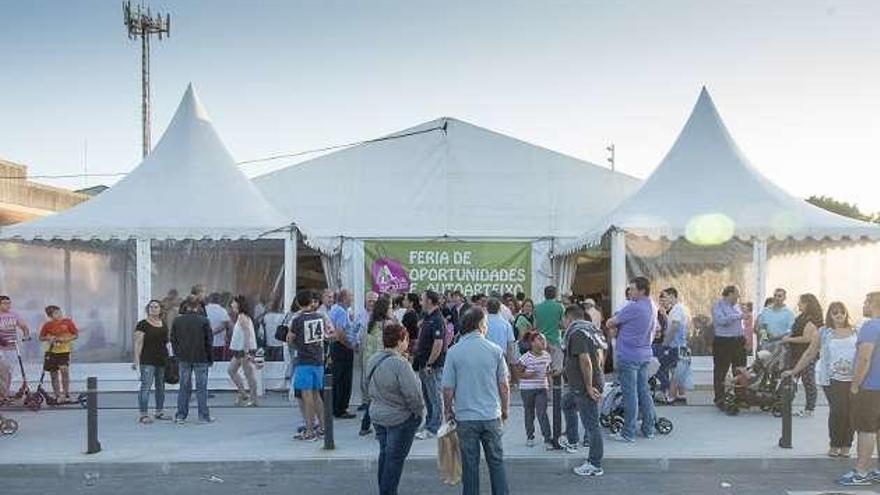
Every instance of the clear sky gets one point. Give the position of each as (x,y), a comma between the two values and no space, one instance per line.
(797,81)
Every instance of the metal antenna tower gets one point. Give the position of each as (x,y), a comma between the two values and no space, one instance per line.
(141,23)
(610,148)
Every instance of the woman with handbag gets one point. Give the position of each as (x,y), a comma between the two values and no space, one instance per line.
(396,405)
(803,332)
(151,358)
(382,315)
(835,343)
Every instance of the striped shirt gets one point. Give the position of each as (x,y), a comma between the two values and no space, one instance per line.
(8,330)
(538,365)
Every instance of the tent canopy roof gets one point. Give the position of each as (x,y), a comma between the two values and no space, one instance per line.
(188,187)
(444,178)
(707,191)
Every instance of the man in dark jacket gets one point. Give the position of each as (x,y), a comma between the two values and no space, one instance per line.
(192,341)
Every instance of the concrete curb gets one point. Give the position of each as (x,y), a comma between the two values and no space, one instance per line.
(732,465)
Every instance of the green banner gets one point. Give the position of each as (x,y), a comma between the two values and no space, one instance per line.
(470,267)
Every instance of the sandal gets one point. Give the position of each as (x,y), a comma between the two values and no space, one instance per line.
(145,420)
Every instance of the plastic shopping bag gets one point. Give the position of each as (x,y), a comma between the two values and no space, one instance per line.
(448,454)
(683,374)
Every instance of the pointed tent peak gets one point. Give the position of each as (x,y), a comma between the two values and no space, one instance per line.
(191,107)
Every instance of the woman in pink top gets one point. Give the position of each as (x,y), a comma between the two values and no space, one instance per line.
(534,366)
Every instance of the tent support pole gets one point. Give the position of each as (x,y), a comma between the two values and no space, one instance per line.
(290,254)
(618,269)
(68,294)
(144,271)
(759,258)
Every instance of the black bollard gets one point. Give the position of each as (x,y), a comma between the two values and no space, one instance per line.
(787,399)
(93,445)
(329,444)
(557,410)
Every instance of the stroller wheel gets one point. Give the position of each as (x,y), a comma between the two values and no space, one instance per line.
(663,426)
(605,421)
(82,400)
(8,427)
(616,425)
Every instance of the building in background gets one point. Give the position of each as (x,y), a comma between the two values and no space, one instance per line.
(22,200)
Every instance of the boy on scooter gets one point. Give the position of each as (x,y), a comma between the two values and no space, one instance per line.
(10,324)
(59,332)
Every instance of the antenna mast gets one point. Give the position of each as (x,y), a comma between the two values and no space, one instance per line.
(611,159)
(141,23)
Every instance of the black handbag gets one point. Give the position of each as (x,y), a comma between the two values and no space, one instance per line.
(172,372)
(282,329)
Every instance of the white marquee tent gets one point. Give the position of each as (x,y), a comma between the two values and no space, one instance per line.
(185,215)
(704,203)
(443,180)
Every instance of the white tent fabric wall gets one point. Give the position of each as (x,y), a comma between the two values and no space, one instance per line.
(832,271)
(92,282)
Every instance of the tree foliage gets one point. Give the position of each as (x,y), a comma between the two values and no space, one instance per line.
(850,210)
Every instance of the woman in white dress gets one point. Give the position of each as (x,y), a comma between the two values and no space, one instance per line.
(243,346)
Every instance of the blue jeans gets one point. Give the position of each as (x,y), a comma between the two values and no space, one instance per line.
(149,375)
(574,403)
(637,398)
(431,383)
(668,357)
(394,445)
(186,371)
(472,434)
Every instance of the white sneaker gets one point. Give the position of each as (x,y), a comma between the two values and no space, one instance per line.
(619,437)
(424,435)
(568,447)
(530,442)
(587,469)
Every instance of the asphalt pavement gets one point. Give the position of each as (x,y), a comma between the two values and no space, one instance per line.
(420,478)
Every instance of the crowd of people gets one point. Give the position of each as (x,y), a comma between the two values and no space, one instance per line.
(428,358)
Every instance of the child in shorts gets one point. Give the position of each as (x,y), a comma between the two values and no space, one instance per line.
(59,332)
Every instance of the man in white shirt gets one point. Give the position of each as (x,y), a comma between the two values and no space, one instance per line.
(674,347)
(220,323)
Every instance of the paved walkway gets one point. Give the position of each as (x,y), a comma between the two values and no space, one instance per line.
(265,434)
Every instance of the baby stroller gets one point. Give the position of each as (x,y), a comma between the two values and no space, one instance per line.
(758,385)
(612,412)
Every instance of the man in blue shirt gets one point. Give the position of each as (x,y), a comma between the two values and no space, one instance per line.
(775,321)
(865,401)
(476,394)
(634,325)
(342,354)
(729,345)
(500,331)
